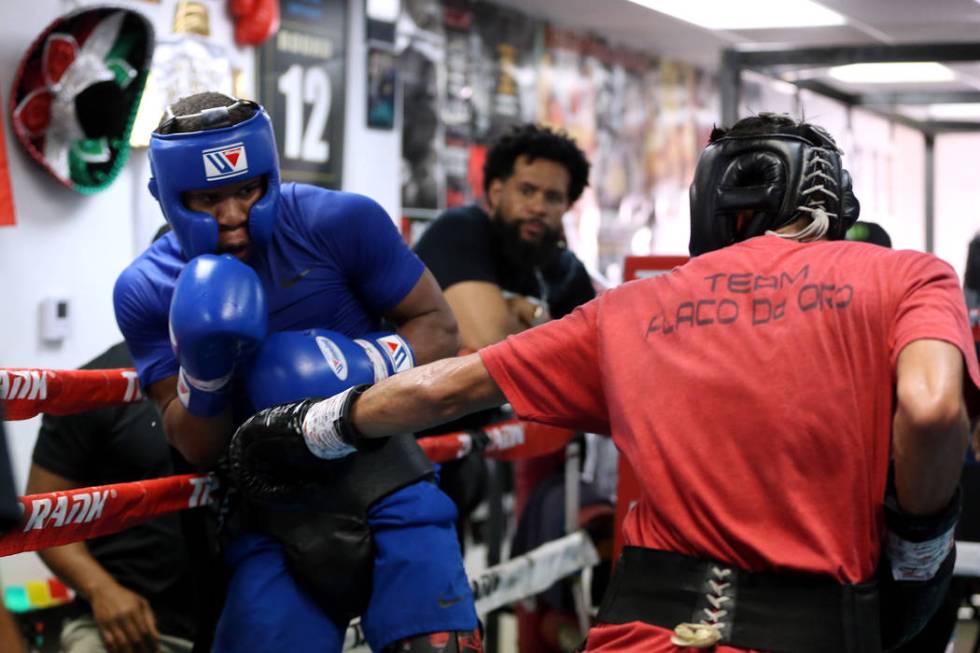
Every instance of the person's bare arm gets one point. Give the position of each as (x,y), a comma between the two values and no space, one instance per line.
(200,440)
(426,396)
(484,316)
(425,320)
(10,637)
(125,619)
(930,428)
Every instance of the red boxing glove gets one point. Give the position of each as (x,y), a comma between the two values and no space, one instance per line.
(255,20)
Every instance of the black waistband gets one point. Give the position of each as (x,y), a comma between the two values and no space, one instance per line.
(769,611)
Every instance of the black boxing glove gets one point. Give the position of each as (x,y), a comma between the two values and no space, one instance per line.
(271,454)
(918,556)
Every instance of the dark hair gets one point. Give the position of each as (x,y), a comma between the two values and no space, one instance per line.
(534,142)
(767,124)
(869,232)
(185,115)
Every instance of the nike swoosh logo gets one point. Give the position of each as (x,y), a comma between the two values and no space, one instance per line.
(299,277)
(448,603)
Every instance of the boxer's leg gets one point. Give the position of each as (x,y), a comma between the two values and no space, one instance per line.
(421,601)
(265,610)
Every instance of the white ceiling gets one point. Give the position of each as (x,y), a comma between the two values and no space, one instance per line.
(869,22)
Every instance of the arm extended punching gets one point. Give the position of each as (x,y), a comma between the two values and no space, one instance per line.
(426,396)
(410,401)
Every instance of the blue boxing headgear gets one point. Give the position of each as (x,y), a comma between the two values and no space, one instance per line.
(211,158)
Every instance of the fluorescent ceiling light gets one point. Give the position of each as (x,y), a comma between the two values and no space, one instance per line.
(891,73)
(958,111)
(747,14)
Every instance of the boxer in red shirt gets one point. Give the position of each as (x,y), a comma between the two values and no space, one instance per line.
(794,404)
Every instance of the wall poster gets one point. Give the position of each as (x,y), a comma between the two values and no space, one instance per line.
(382,79)
(301,83)
(421,47)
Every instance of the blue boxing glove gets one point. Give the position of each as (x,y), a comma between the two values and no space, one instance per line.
(294,365)
(218,316)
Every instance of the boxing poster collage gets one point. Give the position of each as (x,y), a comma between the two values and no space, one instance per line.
(471,69)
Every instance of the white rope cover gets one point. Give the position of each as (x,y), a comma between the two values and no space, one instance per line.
(967,559)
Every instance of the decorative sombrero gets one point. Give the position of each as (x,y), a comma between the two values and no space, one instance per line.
(76,92)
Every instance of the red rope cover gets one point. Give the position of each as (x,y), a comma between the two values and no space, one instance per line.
(57,518)
(25,392)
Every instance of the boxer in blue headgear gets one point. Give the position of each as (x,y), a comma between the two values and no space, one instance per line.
(268,292)
(222,153)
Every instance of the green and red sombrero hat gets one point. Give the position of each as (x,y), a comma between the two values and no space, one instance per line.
(76,92)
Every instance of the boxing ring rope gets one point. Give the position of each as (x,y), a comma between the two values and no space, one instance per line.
(25,392)
(57,518)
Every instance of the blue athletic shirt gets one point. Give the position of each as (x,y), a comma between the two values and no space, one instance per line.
(335,262)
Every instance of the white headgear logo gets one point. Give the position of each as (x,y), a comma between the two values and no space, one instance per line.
(224,162)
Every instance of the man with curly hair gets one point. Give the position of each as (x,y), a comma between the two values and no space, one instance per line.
(504,268)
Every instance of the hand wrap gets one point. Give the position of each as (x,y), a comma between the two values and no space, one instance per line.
(918,556)
(327,428)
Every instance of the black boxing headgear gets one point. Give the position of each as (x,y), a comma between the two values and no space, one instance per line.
(771,179)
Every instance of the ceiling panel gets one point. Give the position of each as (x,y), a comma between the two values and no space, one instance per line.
(871,21)
(936,32)
(885,13)
(811,36)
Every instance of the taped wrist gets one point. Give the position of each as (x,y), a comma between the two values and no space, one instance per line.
(916,546)
(327,429)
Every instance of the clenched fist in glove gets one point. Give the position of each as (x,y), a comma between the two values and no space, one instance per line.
(217,317)
(294,436)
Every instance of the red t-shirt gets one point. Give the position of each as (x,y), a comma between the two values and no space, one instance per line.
(752,392)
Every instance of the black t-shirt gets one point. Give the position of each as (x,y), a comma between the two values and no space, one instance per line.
(118,444)
(10,512)
(462,245)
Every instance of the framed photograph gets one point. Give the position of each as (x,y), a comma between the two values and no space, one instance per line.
(301,83)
